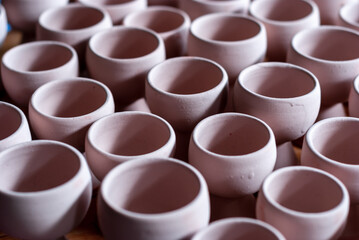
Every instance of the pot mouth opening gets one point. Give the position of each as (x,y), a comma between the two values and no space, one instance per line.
(13,119)
(107,2)
(350,14)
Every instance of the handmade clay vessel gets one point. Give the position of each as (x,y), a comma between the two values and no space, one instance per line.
(14,128)
(3,24)
(331,53)
(329,10)
(125,136)
(283,19)
(160,198)
(304,203)
(238,229)
(117,9)
(64,110)
(353,102)
(185,90)
(348,15)
(45,189)
(331,145)
(215,36)
(172,24)
(26,67)
(23,14)
(197,8)
(120,57)
(234,152)
(73,24)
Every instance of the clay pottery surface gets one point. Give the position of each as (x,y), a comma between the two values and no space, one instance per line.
(286,156)
(124,136)
(304,203)
(238,229)
(215,36)
(117,9)
(353,102)
(23,14)
(73,24)
(28,66)
(45,189)
(184,90)
(331,53)
(349,16)
(138,105)
(285,96)
(197,8)
(172,24)
(153,198)
(332,145)
(14,128)
(120,57)
(3,24)
(171,3)
(64,110)
(283,19)
(329,10)
(234,152)
(336,110)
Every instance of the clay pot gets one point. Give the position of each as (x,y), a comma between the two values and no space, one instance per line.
(353,102)
(160,198)
(64,110)
(283,19)
(3,24)
(348,15)
(197,8)
(331,145)
(73,24)
(170,23)
(304,203)
(329,10)
(45,189)
(238,229)
(215,36)
(117,9)
(331,53)
(234,152)
(26,67)
(120,57)
(23,14)
(185,90)
(14,128)
(124,136)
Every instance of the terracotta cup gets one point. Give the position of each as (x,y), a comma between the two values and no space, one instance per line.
(172,24)
(28,66)
(238,229)
(3,24)
(353,102)
(159,198)
(329,10)
(120,57)
(197,8)
(117,9)
(331,53)
(234,41)
(64,110)
(234,152)
(349,16)
(283,19)
(304,203)
(185,90)
(332,145)
(45,189)
(73,24)
(14,128)
(124,136)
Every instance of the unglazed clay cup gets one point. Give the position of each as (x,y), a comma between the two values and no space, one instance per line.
(14,128)
(73,24)
(172,24)
(329,10)
(125,136)
(120,57)
(184,90)
(353,102)
(197,8)
(238,229)
(159,198)
(283,19)
(332,145)
(28,66)
(234,41)
(349,15)
(3,24)
(331,53)
(234,152)
(304,203)
(45,189)
(23,14)
(64,110)
(117,9)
